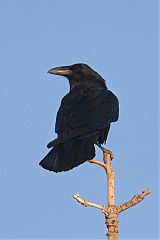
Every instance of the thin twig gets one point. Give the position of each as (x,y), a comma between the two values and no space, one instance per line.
(86,203)
(97,162)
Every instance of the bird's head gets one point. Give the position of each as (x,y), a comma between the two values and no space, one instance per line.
(79,74)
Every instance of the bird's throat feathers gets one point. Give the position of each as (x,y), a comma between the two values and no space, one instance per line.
(88,81)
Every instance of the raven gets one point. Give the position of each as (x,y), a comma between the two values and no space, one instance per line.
(83,118)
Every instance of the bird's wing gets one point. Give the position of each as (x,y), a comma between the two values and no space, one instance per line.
(81,113)
(95,112)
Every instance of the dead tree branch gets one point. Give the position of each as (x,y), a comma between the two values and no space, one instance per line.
(134,201)
(111,211)
(86,203)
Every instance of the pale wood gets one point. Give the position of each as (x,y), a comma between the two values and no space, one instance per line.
(134,201)
(111,211)
(111,214)
(97,162)
(87,203)
(110,178)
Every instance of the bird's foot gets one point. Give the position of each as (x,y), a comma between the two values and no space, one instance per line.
(109,153)
(105,151)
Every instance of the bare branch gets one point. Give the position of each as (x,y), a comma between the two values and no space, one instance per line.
(135,200)
(86,203)
(111,211)
(97,162)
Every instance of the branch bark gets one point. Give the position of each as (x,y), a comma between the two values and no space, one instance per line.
(111,211)
(134,201)
(86,203)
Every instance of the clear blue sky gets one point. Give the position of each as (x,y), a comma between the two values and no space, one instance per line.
(119,40)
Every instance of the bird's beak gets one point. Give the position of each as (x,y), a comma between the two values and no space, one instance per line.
(64,71)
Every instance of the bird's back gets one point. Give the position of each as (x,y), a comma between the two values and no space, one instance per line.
(86,107)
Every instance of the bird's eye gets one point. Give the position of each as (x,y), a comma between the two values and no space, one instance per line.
(76,68)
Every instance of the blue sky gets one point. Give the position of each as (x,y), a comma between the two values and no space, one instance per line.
(119,40)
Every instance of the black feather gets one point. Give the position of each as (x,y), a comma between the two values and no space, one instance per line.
(83,118)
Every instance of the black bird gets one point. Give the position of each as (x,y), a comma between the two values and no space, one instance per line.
(83,118)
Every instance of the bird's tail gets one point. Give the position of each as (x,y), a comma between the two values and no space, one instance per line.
(68,155)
